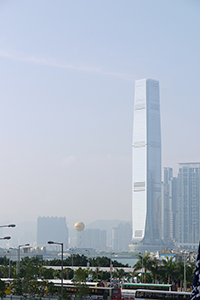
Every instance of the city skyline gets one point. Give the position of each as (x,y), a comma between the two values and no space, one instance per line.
(67,91)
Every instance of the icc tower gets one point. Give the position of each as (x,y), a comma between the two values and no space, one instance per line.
(146,160)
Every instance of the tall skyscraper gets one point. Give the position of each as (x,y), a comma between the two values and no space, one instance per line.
(146,189)
(189,205)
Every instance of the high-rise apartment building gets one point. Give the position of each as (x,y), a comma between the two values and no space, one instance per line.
(175,207)
(121,237)
(166,207)
(52,229)
(146,163)
(189,205)
(94,238)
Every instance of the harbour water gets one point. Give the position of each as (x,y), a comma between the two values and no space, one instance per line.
(126,260)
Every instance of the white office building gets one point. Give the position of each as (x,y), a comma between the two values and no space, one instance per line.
(146,159)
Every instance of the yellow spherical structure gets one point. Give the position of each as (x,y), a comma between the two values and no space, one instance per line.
(79,226)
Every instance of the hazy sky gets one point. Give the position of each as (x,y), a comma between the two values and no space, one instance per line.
(67,72)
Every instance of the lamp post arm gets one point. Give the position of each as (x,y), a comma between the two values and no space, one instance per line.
(61,244)
(9,225)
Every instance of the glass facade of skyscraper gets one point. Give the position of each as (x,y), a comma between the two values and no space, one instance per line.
(166,207)
(188,204)
(146,162)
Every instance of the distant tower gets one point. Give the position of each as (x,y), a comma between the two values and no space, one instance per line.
(121,237)
(189,205)
(167,207)
(52,229)
(146,189)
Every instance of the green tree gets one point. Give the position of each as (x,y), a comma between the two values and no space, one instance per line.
(51,289)
(80,275)
(29,271)
(68,273)
(155,270)
(190,273)
(97,275)
(82,289)
(16,286)
(4,270)
(104,261)
(2,289)
(4,261)
(145,262)
(180,273)
(45,273)
(168,270)
(131,275)
(119,274)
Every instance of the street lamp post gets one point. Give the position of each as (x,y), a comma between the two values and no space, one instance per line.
(88,264)
(184,273)
(111,266)
(9,261)
(5,238)
(18,256)
(142,264)
(72,249)
(8,251)
(61,244)
(184,259)
(185,256)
